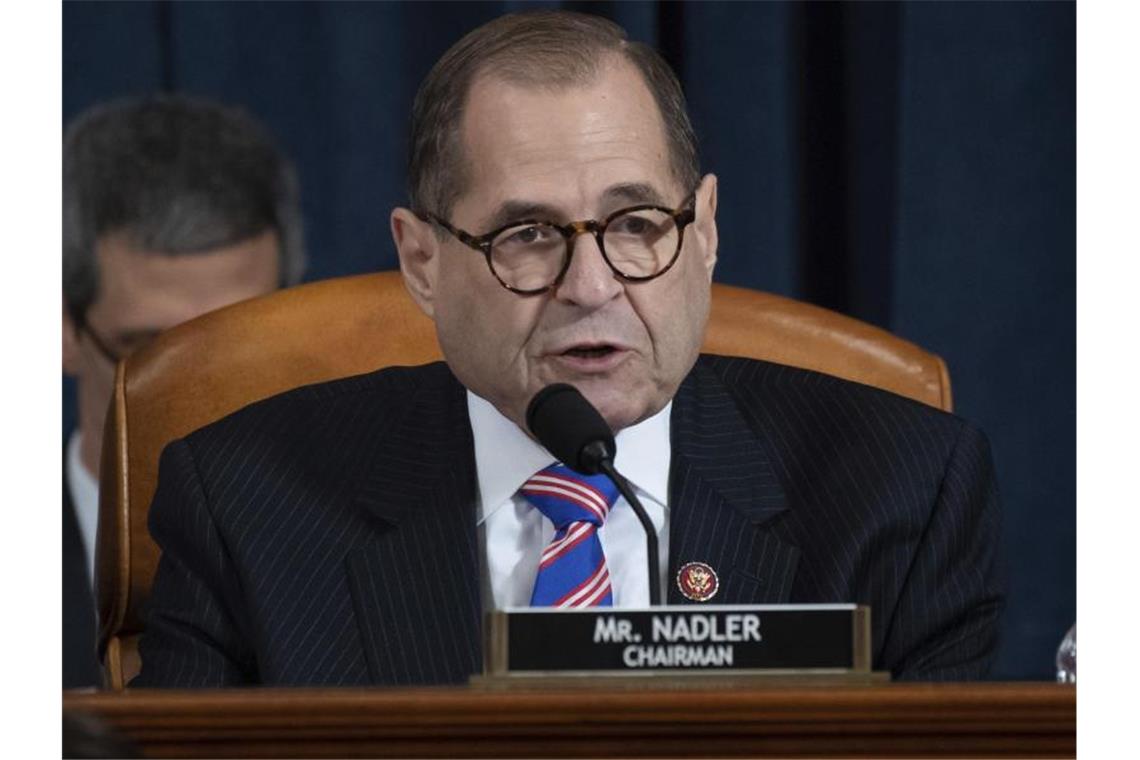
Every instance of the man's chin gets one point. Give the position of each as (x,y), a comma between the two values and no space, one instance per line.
(620,397)
(619,410)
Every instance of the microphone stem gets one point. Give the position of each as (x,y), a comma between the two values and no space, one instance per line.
(626,490)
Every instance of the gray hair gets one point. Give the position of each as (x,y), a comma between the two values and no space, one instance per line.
(534,48)
(180,175)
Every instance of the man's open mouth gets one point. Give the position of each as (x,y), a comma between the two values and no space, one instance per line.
(590,352)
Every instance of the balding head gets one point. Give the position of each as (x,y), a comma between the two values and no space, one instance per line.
(542,50)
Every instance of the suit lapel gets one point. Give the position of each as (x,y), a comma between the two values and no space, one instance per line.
(415,586)
(723,491)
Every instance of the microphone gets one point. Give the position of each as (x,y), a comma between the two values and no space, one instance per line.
(572,430)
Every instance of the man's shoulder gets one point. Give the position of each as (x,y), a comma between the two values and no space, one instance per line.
(795,395)
(742,372)
(367,402)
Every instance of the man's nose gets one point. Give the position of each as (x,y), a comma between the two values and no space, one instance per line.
(588,281)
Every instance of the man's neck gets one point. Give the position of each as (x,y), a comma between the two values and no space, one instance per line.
(89,454)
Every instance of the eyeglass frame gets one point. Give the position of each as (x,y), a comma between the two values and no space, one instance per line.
(682,217)
(83,327)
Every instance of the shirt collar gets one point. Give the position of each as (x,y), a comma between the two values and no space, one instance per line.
(84,487)
(505,457)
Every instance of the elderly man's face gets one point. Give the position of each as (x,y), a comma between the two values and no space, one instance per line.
(566,155)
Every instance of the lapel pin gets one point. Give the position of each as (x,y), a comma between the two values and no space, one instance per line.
(697,581)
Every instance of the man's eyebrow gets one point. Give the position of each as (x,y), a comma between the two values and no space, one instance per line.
(514,211)
(630,193)
(634,193)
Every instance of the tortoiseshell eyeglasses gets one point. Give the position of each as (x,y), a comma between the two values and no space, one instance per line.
(531,256)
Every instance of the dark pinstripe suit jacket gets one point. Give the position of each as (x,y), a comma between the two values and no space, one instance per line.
(327,536)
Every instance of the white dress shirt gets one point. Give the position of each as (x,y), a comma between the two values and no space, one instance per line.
(513,532)
(84,498)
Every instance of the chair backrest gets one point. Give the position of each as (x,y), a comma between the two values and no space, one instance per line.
(211,366)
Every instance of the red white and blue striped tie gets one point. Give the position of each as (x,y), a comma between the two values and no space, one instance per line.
(572,571)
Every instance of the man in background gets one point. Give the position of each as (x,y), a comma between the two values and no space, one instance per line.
(172,207)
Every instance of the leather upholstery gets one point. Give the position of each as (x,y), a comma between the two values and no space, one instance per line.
(204,369)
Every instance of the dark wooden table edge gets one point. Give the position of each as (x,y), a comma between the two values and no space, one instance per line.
(787,720)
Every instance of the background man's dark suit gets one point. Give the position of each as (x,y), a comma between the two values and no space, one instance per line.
(327,536)
(80,664)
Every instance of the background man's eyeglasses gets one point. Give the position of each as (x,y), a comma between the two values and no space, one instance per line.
(101,344)
(531,256)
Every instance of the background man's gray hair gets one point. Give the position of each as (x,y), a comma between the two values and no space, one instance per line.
(181,176)
(535,48)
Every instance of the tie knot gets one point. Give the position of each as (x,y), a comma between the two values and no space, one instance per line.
(565,496)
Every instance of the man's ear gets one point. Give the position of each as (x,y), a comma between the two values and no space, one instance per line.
(705,222)
(418,249)
(70,344)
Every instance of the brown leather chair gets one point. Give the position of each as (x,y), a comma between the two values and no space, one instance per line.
(220,362)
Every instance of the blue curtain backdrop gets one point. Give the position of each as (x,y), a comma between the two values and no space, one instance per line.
(910,164)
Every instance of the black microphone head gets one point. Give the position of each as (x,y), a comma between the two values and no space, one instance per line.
(570,428)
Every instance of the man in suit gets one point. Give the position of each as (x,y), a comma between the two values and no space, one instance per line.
(559,230)
(173,206)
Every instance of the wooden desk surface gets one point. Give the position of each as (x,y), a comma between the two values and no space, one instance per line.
(617,720)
